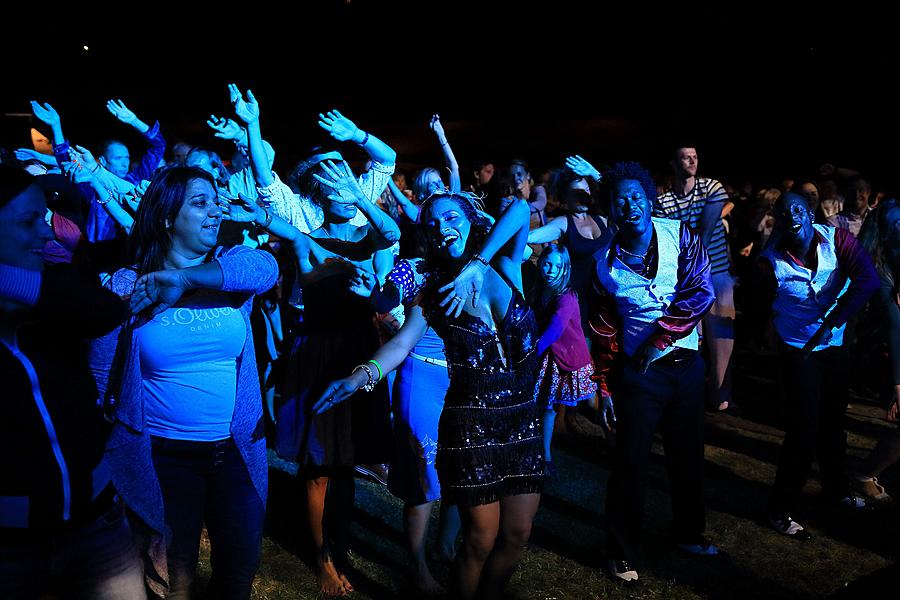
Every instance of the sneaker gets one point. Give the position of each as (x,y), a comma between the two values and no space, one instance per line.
(870,489)
(622,571)
(853,502)
(377,473)
(789,527)
(701,548)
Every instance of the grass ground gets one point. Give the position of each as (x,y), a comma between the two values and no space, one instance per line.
(851,555)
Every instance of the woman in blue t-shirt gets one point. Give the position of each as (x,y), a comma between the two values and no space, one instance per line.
(187,448)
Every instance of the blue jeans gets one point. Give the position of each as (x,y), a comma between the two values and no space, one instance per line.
(96,561)
(208,482)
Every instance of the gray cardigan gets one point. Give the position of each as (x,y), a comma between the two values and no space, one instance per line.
(245,273)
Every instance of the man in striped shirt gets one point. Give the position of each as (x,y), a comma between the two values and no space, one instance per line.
(698,202)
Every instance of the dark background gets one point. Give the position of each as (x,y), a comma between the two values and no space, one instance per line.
(764,92)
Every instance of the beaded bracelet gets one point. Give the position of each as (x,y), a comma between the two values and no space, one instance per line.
(109,198)
(370,384)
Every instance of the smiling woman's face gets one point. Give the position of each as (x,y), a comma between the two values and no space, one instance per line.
(448,228)
(196,227)
(23,230)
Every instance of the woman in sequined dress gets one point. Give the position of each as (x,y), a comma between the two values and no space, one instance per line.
(489,457)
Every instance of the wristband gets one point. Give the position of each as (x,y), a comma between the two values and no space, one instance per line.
(481,259)
(378,366)
(268,220)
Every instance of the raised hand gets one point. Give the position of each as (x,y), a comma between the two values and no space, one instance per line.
(468,283)
(226,129)
(246,110)
(83,155)
(134,197)
(582,168)
(437,128)
(338,391)
(241,210)
(121,112)
(157,291)
(45,113)
(340,127)
(26,154)
(76,172)
(341,180)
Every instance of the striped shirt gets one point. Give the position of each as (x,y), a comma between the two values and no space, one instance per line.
(689,209)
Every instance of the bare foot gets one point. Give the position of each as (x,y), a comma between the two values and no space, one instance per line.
(427,584)
(329,580)
(346,583)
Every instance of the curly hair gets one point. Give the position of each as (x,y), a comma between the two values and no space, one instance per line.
(634,171)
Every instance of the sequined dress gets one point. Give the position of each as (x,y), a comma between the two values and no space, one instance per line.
(489,437)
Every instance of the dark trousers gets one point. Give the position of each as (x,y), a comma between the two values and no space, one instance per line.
(669,397)
(209,482)
(815,405)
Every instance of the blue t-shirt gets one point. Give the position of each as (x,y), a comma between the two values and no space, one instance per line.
(189,359)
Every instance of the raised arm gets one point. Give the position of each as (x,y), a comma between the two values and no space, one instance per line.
(346,189)
(110,200)
(245,210)
(26,154)
(343,129)
(449,158)
(503,249)
(108,180)
(409,207)
(118,109)
(156,144)
(583,168)
(248,112)
(550,232)
(48,115)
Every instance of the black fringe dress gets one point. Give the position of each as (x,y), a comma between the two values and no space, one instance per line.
(489,437)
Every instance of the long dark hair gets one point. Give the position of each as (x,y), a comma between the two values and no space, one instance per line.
(875,237)
(470,206)
(150,239)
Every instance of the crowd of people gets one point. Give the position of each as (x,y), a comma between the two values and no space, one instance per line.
(165,320)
